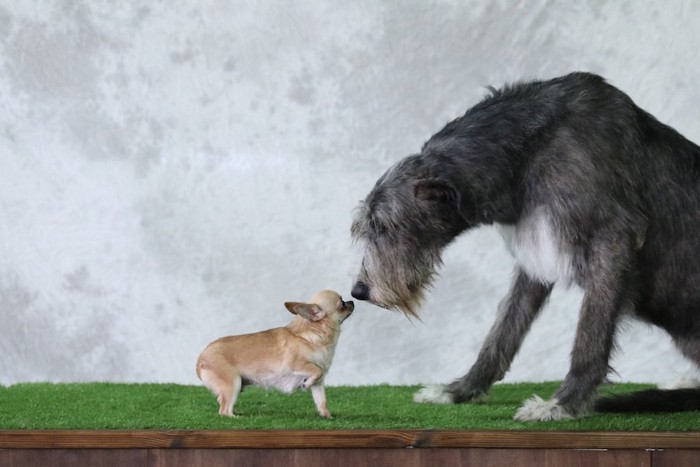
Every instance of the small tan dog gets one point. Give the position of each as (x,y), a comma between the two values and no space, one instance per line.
(296,356)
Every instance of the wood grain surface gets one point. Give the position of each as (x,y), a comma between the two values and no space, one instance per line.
(282,439)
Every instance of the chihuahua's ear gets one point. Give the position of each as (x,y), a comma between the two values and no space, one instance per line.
(310,311)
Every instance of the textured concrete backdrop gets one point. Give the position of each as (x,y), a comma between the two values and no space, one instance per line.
(172,171)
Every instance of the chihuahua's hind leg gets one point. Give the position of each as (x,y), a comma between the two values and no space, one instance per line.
(319,394)
(225,383)
(228,395)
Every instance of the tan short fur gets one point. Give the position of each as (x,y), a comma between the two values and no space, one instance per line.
(297,356)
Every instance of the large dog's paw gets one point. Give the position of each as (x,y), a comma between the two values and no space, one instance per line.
(686,382)
(433,394)
(537,409)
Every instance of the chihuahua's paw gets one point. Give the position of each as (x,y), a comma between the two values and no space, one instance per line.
(433,394)
(537,409)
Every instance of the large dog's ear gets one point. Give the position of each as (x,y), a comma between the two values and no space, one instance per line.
(310,311)
(445,199)
(436,190)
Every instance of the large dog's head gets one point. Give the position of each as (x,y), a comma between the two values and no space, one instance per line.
(403,225)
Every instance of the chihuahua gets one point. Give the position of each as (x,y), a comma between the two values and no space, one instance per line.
(296,356)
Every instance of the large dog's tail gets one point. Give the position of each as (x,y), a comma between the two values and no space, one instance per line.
(652,400)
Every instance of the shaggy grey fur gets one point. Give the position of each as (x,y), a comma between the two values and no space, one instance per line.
(587,188)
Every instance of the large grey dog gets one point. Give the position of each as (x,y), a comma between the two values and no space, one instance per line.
(587,188)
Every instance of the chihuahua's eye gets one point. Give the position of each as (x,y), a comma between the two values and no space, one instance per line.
(342,304)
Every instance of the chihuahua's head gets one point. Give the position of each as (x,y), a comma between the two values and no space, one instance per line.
(326,304)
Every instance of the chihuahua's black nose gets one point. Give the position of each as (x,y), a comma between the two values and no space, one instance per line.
(360,291)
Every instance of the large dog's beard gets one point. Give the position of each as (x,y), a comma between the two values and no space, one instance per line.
(399,282)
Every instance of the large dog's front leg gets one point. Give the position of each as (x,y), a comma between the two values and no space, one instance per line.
(515,315)
(604,295)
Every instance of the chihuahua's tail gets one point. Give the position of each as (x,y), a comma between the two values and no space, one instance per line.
(200,366)
(652,400)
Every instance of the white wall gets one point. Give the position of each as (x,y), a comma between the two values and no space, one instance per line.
(171,172)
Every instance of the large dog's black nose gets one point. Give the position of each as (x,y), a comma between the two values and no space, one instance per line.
(360,291)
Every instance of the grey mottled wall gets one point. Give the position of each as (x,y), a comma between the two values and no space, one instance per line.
(171,172)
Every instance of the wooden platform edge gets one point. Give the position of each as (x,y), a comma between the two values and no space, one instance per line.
(295,439)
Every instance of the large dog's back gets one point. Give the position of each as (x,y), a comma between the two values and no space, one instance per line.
(583,148)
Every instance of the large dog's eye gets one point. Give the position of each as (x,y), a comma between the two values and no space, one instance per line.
(375,226)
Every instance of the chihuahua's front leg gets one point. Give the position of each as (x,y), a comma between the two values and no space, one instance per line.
(311,373)
(319,394)
(313,378)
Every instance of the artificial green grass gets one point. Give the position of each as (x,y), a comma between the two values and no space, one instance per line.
(170,406)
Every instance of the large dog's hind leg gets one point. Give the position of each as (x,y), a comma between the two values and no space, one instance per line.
(515,315)
(604,295)
(690,348)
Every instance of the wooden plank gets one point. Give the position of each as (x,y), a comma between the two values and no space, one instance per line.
(221,458)
(595,458)
(277,439)
(247,457)
(358,457)
(555,457)
(260,439)
(565,439)
(453,457)
(675,458)
(71,457)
